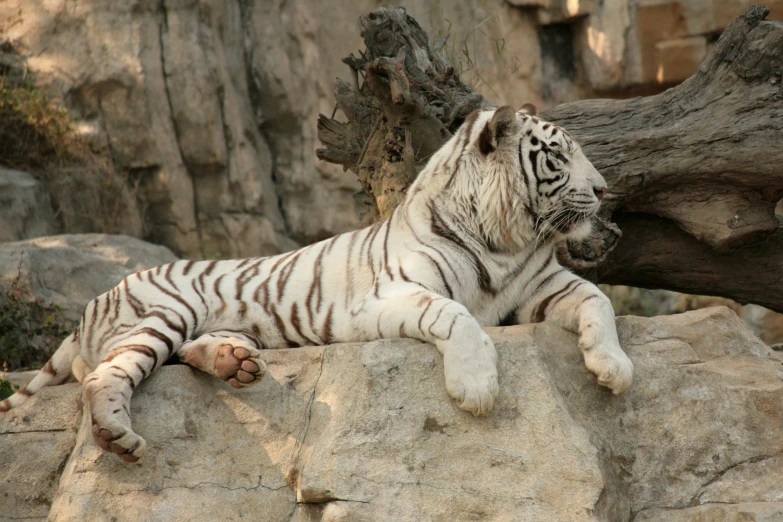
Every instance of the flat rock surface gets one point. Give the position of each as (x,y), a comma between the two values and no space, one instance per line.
(367,432)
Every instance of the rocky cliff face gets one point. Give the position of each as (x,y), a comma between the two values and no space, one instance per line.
(25,207)
(211,107)
(367,432)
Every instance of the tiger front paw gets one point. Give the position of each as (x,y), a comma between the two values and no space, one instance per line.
(612,368)
(239,364)
(472,376)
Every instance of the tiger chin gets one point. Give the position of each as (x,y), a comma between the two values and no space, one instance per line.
(473,241)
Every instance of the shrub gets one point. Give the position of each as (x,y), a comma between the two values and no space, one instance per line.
(30,331)
(7,388)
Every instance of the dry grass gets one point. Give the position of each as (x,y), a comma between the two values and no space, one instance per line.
(34,133)
(89,193)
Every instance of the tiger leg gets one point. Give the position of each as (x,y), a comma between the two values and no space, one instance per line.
(469,356)
(108,390)
(229,356)
(79,368)
(56,371)
(578,305)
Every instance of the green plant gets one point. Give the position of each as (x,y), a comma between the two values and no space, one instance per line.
(7,388)
(30,330)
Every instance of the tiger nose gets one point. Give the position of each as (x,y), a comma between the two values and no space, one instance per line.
(599,192)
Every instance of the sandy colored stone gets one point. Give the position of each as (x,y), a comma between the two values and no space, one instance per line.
(602,43)
(760,479)
(194,97)
(703,401)
(567,11)
(391,456)
(679,58)
(655,22)
(35,442)
(213,453)
(56,408)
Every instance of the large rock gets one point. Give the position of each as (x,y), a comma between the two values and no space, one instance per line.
(25,207)
(33,451)
(367,432)
(70,270)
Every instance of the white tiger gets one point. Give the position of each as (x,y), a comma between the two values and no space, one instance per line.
(473,241)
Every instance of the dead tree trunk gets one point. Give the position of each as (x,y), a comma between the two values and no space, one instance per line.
(694,173)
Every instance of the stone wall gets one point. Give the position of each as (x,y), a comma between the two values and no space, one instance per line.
(672,37)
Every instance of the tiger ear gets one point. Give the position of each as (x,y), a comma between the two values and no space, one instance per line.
(529,109)
(503,123)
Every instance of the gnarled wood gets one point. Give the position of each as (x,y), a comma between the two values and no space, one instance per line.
(407,89)
(655,253)
(694,173)
(705,154)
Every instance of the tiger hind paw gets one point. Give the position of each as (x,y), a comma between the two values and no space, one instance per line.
(123,441)
(239,364)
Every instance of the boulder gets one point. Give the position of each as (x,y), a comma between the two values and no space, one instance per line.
(367,432)
(70,270)
(25,207)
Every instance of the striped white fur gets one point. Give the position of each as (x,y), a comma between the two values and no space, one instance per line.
(473,241)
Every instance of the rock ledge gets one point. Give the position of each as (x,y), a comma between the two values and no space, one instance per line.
(367,432)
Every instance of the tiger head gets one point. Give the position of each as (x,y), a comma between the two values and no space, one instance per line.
(536,180)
